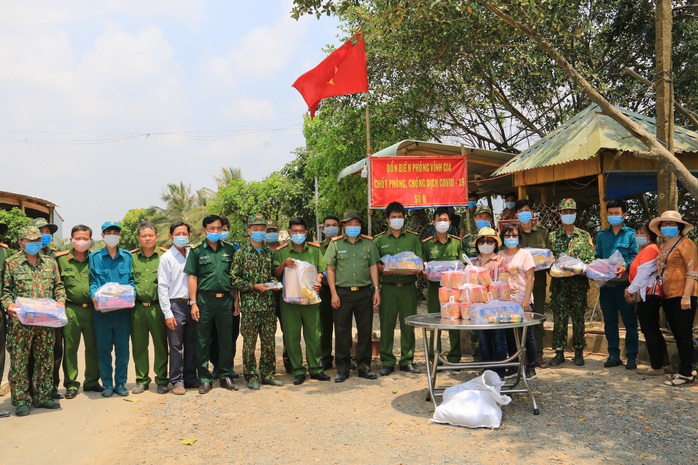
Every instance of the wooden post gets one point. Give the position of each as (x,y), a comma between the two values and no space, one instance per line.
(522,192)
(667,195)
(602,193)
(543,195)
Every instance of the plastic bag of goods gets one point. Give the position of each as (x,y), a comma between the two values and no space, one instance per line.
(454,279)
(480,313)
(465,310)
(499,290)
(404,263)
(298,284)
(434,269)
(603,270)
(447,293)
(40,312)
(506,312)
(478,293)
(114,296)
(566,266)
(450,310)
(542,258)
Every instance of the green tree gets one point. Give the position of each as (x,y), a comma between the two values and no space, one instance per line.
(129,227)
(15,219)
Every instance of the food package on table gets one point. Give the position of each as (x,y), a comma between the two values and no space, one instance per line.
(465,310)
(476,293)
(40,312)
(435,268)
(404,263)
(298,284)
(479,313)
(603,270)
(447,293)
(114,296)
(542,258)
(450,310)
(566,266)
(454,279)
(499,291)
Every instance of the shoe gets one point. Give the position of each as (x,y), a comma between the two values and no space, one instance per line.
(55,394)
(531,373)
(49,404)
(22,411)
(271,381)
(179,390)
(192,386)
(228,384)
(612,362)
(558,359)
(4,413)
(367,374)
(320,376)
(510,373)
(385,371)
(540,363)
(235,375)
(204,388)
(298,379)
(631,364)
(578,358)
(96,388)
(648,372)
(254,385)
(341,377)
(163,389)
(121,390)
(326,365)
(71,393)
(410,368)
(108,392)
(680,380)
(139,389)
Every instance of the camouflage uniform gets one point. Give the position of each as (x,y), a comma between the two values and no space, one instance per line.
(4,253)
(22,279)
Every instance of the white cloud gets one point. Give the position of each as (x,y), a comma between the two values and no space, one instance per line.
(250,110)
(192,12)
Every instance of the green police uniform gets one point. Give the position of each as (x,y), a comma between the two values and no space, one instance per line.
(435,250)
(215,301)
(538,238)
(148,319)
(294,317)
(398,298)
(80,311)
(326,315)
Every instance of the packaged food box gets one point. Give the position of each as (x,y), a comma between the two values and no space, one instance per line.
(114,296)
(434,268)
(404,263)
(40,312)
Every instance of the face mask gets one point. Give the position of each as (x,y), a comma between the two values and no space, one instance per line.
(272,237)
(45,240)
(511,242)
(353,231)
(442,226)
(224,235)
(615,220)
(485,248)
(331,231)
(509,205)
(472,204)
(525,217)
(641,240)
(669,231)
(258,236)
(397,223)
(298,239)
(213,237)
(568,219)
(32,248)
(180,241)
(479,224)
(80,245)
(111,240)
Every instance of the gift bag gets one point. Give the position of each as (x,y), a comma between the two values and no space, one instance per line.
(114,296)
(566,266)
(298,284)
(435,268)
(40,312)
(603,270)
(404,263)
(542,258)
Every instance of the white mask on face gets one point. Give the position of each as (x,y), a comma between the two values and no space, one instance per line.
(442,226)
(111,240)
(486,248)
(397,223)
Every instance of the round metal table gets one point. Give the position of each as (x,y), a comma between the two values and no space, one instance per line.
(432,322)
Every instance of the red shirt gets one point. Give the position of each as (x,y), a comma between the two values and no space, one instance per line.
(648,253)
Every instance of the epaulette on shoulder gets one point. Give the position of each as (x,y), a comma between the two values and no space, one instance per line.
(134,250)
(281,247)
(2,244)
(193,246)
(336,238)
(163,249)
(427,239)
(227,242)
(366,236)
(455,237)
(379,234)
(62,253)
(314,244)
(412,232)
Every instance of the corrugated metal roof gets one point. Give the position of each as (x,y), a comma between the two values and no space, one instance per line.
(585,134)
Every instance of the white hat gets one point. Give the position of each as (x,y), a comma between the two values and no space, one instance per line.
(669,215)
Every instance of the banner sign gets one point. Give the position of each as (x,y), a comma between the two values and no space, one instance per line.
(419,181)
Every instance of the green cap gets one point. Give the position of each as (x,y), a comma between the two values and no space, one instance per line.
(257,219)
(350,215)
(567,204)
(272,224)
(483,209)
(42,223)
(30,232)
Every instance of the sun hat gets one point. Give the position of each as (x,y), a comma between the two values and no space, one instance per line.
(488,232)
(669,215)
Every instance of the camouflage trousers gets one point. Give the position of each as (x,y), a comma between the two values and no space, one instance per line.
(262,324)
(22,342)
(568,300)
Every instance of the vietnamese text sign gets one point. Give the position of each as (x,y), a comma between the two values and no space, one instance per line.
(419,181)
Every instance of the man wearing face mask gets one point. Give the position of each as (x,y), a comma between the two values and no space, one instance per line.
(482,219)
(612,295)
(271,238)
(112,264)
(330,226)
(568,296)
(467,221)
(32,275)
(4,254)
(398,292)
(75,272)
(297,317)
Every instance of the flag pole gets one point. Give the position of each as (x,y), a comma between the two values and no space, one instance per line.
(368,163)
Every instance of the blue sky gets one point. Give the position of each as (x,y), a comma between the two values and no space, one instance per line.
(82,83)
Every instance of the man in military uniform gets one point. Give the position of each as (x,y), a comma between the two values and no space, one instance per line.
(569,295)
(4,253)
(294,316)
(251,271)
(330,226)
(271,238)
(535,236)
(146,316)
(352,275)
(440,247)
(398,292)
(32,275)
(75,272)
(467,220)
(482,219)
(210,292)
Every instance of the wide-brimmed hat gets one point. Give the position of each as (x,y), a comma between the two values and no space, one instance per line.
(488,232)
(42,223)
(669,215)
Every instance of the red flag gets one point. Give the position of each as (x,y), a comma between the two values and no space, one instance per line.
(342,72)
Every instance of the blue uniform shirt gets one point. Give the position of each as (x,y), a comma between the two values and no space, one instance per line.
(624,242)
(104,269)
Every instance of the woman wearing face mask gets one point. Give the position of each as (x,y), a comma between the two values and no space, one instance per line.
(509,213)
(677,265)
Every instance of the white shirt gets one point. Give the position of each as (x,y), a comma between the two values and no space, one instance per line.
(172,282)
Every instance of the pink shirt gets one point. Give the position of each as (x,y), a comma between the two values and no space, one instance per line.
(517,266)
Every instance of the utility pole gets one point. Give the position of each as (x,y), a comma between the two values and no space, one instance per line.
(667,194)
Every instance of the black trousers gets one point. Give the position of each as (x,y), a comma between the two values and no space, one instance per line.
(357,304)
(681,324)
(648,315)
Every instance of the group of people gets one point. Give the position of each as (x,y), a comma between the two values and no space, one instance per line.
(193,300)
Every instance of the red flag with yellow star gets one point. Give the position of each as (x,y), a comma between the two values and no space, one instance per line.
(342,72)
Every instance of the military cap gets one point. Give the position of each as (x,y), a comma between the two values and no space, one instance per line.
(483,209)
(42,223)
(350,215)
(272,224)
(257,219)
(567,204)
(111,225)
(31,233)
(3,228)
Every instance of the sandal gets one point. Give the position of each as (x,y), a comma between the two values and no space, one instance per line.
(680,380)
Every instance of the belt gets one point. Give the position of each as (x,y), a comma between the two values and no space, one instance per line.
(81,305)
(184,301)
(353,288)
(217,295)
(148,304)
